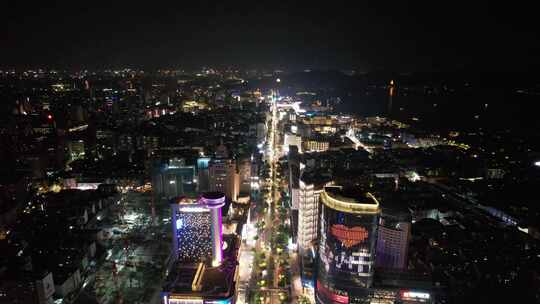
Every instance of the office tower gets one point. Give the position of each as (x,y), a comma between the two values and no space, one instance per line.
(261,132)
(173,179)
(224,177)
(244,171)
(203,178)
(311,186)
(215,201)
(348,234)
(294,176)
(393,239)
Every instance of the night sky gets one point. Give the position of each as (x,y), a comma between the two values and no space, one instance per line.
(398,36)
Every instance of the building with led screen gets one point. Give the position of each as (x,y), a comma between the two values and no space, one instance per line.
(348,235)
(205,266)
(197,228)
(191,223)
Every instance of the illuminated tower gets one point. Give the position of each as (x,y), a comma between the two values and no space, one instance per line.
(224,177)
(173,178)
(391,93)
(348,234)
(214,201)
(191,223)
(197,228)
(393,242)
(203,178)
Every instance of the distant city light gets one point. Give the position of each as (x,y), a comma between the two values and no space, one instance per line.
(412,176)
(413,294)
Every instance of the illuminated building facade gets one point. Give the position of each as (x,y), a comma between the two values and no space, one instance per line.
(307,216)
(191,223)
(203,177)
(310,188)
(244,172)
(224,177)
(173,179)
(291,140)
(315,145)
(393,241)
(76,149)
(214,201)
(197,228)
(348,235)
(211,277)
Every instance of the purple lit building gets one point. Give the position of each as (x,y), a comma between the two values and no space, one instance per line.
(204,270)
(197,228)
(214,201)
(393,238)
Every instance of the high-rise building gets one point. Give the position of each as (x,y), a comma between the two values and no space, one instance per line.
(261,132)
(214,201)
(291,140)
(173,179)
(393,240)
(203,174)
(294,176)
(224,177)
(348,234)
(191,224)
(197,228)
(311,186)
(204,269)
(244,170)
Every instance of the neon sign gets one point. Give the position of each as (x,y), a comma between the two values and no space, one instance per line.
(349,237)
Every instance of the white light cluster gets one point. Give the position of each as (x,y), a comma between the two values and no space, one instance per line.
(414,294)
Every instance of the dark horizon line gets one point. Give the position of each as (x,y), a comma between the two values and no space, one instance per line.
(522,70)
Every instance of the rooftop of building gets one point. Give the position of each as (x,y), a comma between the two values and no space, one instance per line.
(317,178)
(350,195)
(201,280)
(213,195)
(349,199)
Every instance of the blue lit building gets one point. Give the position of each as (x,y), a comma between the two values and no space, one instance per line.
(173,178)
(203,268)
(203,174)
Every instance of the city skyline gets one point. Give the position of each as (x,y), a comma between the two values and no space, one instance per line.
(269,153)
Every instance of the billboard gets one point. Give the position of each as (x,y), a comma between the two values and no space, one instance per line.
(346,254)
